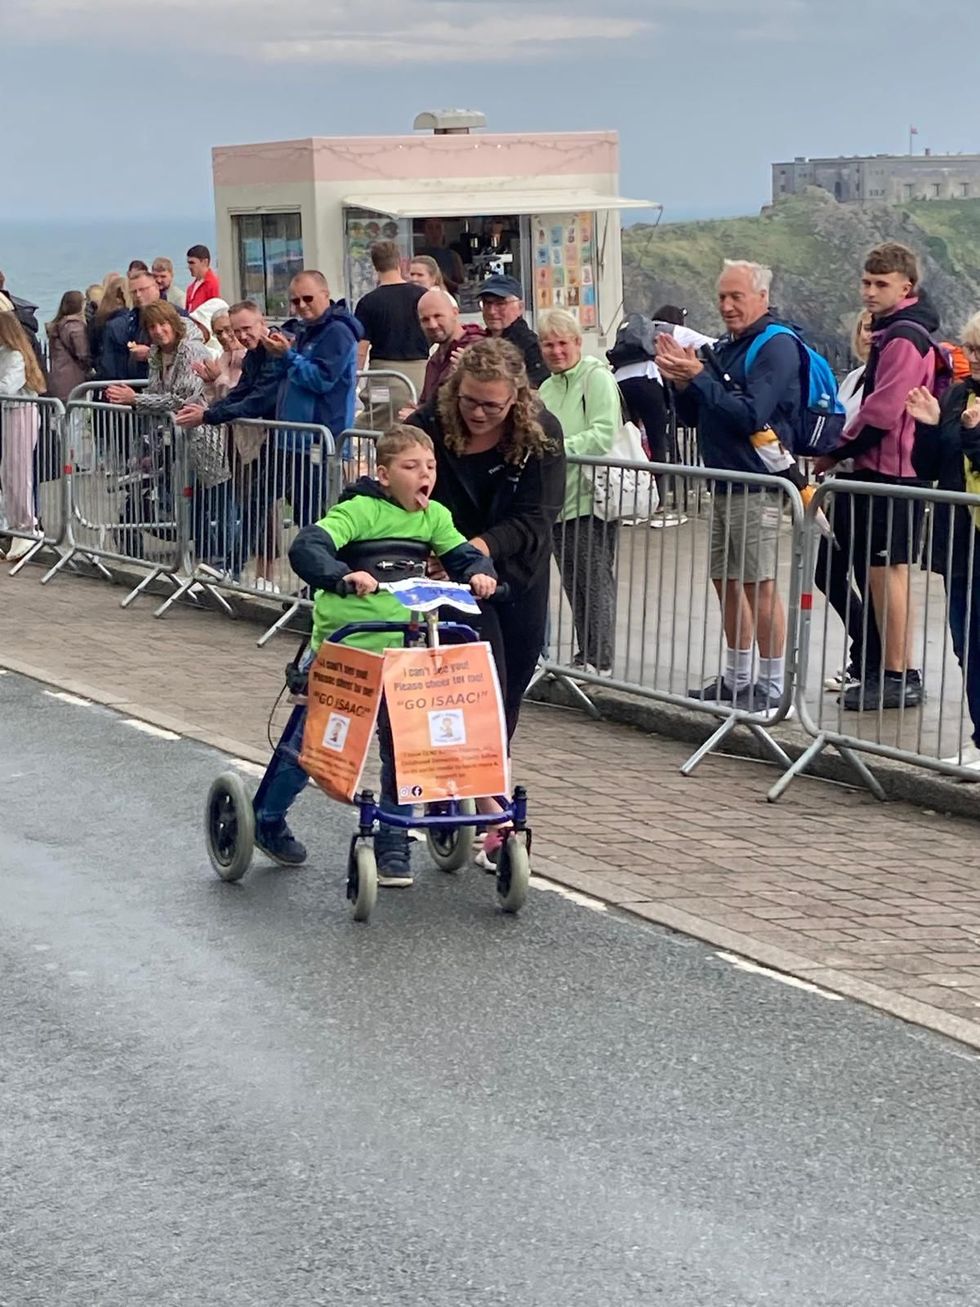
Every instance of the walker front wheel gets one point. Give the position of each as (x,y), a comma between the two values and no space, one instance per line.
(513,872)
(362,880)
(229,826)
(452,847)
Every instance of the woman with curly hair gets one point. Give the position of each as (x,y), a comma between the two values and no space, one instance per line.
(501,473)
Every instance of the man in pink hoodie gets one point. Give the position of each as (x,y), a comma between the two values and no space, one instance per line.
(882,535)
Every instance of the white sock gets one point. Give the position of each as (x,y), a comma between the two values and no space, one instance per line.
(738,668)
(771,674)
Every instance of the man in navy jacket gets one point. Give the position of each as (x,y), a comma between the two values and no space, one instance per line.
(318,349)
(729,406)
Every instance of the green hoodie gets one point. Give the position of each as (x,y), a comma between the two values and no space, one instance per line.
(586,402)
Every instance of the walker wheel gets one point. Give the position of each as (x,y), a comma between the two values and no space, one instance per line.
(513,871)
(362,879)
(451,848)
(229,826)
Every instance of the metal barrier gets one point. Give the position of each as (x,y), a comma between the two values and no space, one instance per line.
(640,612)
(127,493)
(275,478)
(631,608)
(30,475)
(382,394)
(863,541)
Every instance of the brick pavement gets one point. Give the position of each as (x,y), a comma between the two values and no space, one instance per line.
(881,902)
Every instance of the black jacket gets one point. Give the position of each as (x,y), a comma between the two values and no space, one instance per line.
(254,396)
(518,525)
(520,335)
(937,455)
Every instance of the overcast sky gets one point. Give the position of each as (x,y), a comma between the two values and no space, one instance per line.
(112,106)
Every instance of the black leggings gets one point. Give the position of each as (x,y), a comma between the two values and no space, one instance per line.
(515,630)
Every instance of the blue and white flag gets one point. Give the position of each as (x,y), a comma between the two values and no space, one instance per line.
(422,596)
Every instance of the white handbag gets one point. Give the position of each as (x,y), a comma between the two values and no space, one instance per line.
(622,492)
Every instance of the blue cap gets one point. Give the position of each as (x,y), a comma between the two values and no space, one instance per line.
(502,287)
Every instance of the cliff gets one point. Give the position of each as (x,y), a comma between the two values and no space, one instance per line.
(816,248)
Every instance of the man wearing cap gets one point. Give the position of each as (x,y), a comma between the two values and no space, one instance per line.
(502,301)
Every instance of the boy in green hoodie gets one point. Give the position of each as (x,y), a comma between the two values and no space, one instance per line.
(380,530)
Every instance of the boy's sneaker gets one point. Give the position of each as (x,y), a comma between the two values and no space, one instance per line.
(395,869)
(489,856)
(394,854)
(280,844)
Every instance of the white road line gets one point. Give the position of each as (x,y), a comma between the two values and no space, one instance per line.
(573,896)
(249,768)
(65,697)
(149,729)
(743,964)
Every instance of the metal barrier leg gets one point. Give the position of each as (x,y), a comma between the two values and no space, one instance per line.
(278,625)
(26,558)
(153,575)
(722,733)
(863,773)
(709,746)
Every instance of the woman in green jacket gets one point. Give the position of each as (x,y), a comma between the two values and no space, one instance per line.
(583,395)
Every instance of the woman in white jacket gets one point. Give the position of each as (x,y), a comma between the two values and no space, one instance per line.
(21,381)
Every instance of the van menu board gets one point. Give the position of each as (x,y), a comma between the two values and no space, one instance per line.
(565,265)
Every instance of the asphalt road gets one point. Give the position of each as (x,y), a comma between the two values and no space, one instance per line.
(215,1094)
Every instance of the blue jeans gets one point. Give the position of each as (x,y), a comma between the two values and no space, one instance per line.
(285,780)
(964,629)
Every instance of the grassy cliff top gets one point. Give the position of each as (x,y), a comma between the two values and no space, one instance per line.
(816,248)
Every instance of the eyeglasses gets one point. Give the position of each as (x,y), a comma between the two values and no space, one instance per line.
(301,299)
(489,410)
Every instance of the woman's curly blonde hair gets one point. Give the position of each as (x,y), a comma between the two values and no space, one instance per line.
(496,360)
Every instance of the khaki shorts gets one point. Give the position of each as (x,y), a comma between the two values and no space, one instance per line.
(745,534)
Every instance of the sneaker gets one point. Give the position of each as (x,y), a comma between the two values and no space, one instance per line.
(395,869)
(394,854)
(265,586)
(886,693)
(581,663)
(719,691)
(280,844)
(968,756)
(20,546)
(843,679)
(668,519)
(489,855)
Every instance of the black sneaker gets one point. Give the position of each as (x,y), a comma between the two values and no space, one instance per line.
(886,693)
(719,691)
(395,870)
(394,854)
(280,844)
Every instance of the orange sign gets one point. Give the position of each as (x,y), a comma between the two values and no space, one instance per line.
(447,723)
(344,697)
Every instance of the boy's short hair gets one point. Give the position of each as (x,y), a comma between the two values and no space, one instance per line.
(399,438)
(893,257)
(199,252)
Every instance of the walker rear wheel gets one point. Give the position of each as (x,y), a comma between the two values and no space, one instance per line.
(229,826)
